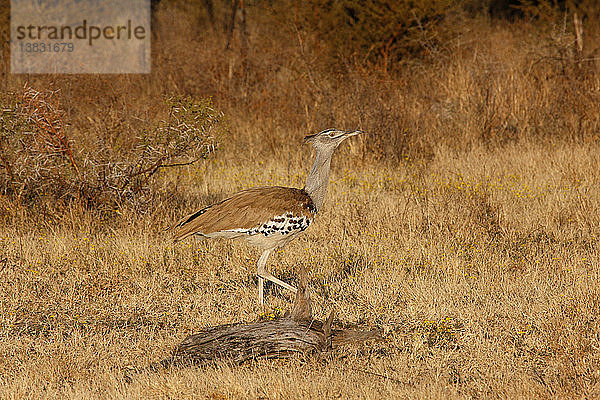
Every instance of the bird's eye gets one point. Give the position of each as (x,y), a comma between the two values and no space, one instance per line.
(331,134)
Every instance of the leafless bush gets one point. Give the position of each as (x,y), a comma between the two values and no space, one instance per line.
(35,152)
(37,157)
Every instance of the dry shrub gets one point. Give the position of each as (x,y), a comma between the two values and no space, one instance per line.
(384,31)
(493,82)
(38,158)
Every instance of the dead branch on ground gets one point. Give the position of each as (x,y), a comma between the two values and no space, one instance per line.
(295,332)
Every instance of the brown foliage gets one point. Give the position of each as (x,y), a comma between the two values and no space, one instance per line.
(37,157)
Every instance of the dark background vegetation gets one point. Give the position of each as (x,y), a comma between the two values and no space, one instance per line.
(420,74)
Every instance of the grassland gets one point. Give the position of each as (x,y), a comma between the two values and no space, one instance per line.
(466,226)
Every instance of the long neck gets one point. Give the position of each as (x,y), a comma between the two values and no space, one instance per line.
(318,178)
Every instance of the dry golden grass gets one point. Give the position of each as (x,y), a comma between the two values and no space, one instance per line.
(466,227)
(483,271)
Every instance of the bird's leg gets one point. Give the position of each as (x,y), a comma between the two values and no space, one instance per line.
(279,282)
(263,274)
(260,267)
(261,296)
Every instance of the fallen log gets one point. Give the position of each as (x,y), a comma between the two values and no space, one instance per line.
(295,332)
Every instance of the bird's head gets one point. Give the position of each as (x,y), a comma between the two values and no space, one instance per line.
(329,138)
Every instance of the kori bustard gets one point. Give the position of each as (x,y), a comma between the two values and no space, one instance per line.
(268,217)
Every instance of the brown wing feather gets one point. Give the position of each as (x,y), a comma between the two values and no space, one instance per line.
(246,209)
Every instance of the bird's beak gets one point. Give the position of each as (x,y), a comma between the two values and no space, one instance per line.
(353,133)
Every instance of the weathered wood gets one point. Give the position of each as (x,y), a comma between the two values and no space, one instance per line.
(241,342)
(296,332)
(302,308)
